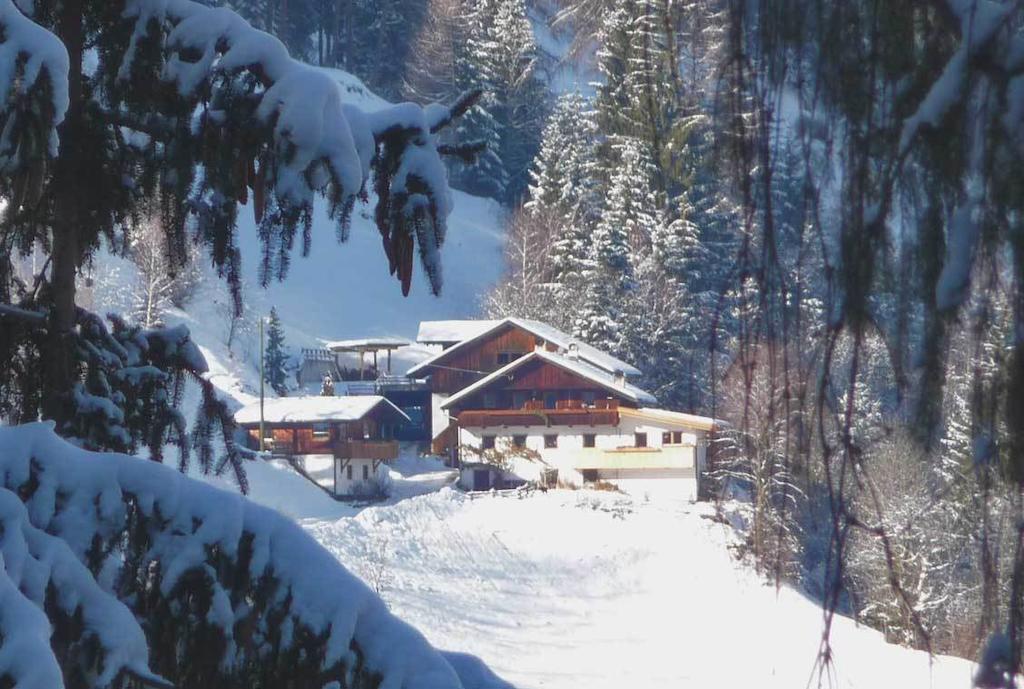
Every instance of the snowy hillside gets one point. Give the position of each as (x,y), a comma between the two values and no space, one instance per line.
(344,290)
(575,590)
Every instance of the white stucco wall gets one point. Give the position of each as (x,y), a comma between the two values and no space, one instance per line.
(570,446)
(357,483)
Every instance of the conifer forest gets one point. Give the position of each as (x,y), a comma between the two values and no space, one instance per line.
(799,220)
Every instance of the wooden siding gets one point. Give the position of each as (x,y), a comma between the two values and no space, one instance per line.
(301,439)
(543,417)
(462,368)
(538,380)
(367,449)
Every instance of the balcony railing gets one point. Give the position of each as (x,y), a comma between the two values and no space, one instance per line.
(385,450)
(671,457)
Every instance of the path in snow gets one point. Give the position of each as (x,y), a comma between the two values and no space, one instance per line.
(582,590)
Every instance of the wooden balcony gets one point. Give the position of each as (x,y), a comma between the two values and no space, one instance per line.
(669,457)
(384,450)
(490,418)
(303,441)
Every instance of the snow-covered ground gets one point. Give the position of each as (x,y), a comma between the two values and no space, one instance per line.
(591,590)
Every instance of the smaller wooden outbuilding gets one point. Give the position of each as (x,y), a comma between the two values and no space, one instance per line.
(357,431)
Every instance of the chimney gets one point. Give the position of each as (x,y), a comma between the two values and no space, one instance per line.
(620,378)
(573,353)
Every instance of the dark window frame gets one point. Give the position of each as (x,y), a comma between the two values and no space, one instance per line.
(550,441)
(589,440)
(487,442)
(639,439)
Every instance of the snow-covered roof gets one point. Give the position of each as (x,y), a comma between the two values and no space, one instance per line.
(543,331)
(368,344)
(700,423)
(581,368)
(312,409)
(450,332)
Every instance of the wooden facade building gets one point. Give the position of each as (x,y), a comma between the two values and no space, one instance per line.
(357,433)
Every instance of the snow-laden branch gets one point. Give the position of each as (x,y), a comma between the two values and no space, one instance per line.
(34,563)
(321,144)
(980,21)
(199,543)
(28,54)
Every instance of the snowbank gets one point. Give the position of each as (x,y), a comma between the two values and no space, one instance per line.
(75,497)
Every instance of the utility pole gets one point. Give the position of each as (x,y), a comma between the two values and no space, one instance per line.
(262,377)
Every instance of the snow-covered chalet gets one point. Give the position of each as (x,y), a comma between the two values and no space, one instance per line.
(517,400)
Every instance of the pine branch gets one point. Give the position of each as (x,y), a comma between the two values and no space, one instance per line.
(459,108)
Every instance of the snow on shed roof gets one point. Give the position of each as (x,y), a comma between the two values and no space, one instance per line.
(450,332)
(314,409)
(700,423)
(560,339)
(581,368)
(367,344)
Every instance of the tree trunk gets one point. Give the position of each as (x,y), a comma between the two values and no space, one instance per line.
(59,372)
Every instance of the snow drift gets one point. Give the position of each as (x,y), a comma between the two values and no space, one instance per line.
(161,574)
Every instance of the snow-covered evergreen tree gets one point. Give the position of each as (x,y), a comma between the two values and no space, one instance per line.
(121,573)
(562,173)
(191,103)
(276,357)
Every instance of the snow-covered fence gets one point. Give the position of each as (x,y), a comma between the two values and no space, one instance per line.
(129,558)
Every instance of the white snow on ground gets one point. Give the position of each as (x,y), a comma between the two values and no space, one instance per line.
(592,590)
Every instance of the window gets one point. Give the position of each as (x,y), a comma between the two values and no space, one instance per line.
(321,430)
(490,400)
(588,440)
(519,398)
(348,472)
(550,441)
(588,398)
(519,441)
(550,400)
(640,439)
(487,442)
(366,472)
(589,475)
(672,438)
(505,358)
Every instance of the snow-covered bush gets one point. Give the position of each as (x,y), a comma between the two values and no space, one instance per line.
(115,570)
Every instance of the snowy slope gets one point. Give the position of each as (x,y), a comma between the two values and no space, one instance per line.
(344,290)
(574,590)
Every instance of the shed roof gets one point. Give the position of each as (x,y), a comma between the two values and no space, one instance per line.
(548,333)
(578,367)
(451,332)
(367,344)
(675,418)
(317,409)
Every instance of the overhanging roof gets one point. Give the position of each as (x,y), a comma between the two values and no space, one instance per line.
(675,418)
(367,344)
(450,332)
(319,409)
(543,331)
(580,368)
